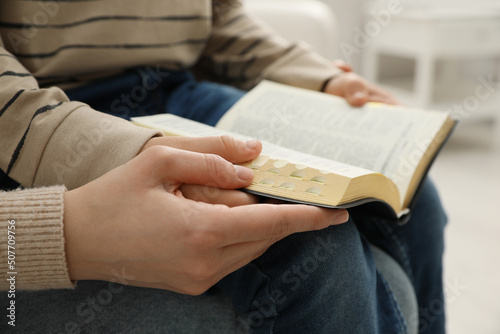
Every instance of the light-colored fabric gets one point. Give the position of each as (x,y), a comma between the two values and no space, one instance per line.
(242,50)
(400,286)
(45,139)
(46,45)
(35,217)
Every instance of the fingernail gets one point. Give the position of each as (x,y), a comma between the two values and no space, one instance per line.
(243,173)
(340,218)
(252,144)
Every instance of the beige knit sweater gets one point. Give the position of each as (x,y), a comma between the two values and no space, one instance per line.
(36,257)
(46,140)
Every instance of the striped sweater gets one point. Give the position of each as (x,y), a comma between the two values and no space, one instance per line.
(47,46)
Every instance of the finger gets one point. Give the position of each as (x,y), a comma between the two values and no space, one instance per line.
(344,66)
(172,167)
(266,221)
(380,95)
(230,148)
(356,91)
(213,195)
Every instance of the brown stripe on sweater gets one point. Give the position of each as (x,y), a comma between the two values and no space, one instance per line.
(28,25)
(14,74)
(236,38)
(117,46)
(11,101)
(21,142)
(254,45)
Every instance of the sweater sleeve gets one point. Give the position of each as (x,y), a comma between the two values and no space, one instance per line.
(242,51)
(45,139)
(37,257)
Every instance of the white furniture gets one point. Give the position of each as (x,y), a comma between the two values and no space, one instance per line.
(307,20)
(422,54)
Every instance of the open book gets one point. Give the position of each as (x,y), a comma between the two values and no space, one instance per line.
(317,149)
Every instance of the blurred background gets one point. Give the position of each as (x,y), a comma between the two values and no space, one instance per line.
(442,55)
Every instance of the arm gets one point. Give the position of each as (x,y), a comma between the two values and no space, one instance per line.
(148,233)
(243,51)
(46,139)
(40,257)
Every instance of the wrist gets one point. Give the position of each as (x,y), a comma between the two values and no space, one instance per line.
(77,227)
(325,84)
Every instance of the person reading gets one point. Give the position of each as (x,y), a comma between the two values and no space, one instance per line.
(106,200)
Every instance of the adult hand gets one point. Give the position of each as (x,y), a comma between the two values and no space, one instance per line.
(135,221)
(229,148)
(356,90)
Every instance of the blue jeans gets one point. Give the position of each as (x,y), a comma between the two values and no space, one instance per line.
(314,282)
(147,91)
(325,281)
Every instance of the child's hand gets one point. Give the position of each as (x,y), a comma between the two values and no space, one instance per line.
(357,91)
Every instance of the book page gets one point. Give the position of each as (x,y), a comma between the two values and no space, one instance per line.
(389,142)
(175,125)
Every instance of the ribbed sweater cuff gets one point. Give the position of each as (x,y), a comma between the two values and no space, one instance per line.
(40,259)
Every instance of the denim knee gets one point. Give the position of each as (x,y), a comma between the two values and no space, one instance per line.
(321,280)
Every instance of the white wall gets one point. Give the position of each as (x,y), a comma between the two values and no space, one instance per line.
(349,14)
(351,17)
(314,23)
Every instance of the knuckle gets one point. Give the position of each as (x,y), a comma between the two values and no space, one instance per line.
(156,151)
(203,240)
(206,234)
(227,145)
(203,272)
(317,222)
(159,155)
(218,168)
(213,162)
(155,157)
(282,225)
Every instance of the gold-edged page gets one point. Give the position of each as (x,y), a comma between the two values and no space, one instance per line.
(303,159)
(387,139)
